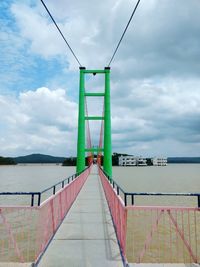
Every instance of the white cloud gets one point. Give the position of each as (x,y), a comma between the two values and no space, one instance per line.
(145,122)
(162,44)
(38,121)
(155,78)
(157,119)
(38,31)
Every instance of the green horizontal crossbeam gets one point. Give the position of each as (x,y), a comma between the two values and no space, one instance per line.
(94,71)
(94,94)
(94,118)
(94,149)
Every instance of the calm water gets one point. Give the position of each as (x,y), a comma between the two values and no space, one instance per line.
(171,178)
(30,178)
(176,178)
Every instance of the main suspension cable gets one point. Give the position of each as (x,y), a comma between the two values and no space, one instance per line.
(134,10)
(61,32)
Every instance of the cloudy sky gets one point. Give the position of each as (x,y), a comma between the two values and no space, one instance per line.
(155,76)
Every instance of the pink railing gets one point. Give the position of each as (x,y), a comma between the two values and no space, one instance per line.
(117,209)
(26,231)
(163,234)
(154,234)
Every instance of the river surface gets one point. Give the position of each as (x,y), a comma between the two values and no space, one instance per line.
(172,178)
(164,247)
(30,178)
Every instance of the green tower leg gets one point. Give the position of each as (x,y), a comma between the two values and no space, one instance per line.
(81,149)
(107,162)
(80,165)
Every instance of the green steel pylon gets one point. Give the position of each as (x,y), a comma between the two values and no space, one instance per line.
(107,149)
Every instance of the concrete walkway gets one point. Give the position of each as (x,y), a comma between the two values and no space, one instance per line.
(15,264)
(86,237)
(163,265)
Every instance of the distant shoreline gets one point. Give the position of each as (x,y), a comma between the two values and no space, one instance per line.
(61,165)
(183,160)
(71,161)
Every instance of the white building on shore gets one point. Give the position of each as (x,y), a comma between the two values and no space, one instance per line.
(159,161)
(132,161)
(127,161)
(141,161)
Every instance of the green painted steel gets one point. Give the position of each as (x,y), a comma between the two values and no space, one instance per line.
(107,162)
(107,148)
(94,94)
(80,166)
(94,149)
(95,71)
(94,118)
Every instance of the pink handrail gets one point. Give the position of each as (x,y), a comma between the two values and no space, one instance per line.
(26,231)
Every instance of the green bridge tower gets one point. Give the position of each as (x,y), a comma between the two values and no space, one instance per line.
(81,144)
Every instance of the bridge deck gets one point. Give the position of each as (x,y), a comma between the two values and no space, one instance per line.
(86,236)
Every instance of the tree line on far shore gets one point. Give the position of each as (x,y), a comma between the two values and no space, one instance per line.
(7,161)
(71,161)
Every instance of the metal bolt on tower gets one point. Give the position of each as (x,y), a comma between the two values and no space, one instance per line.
(81,144)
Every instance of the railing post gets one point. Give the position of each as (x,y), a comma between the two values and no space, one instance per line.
(63,184)
(54,189)
(39,199)
(52,216)
(125,199)
(117,190)
(32,200)
(198,197)
(132,199)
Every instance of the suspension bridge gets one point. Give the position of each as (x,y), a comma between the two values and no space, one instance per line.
(89,220)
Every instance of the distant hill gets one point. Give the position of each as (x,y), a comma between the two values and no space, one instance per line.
(183,160)
(38,158)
